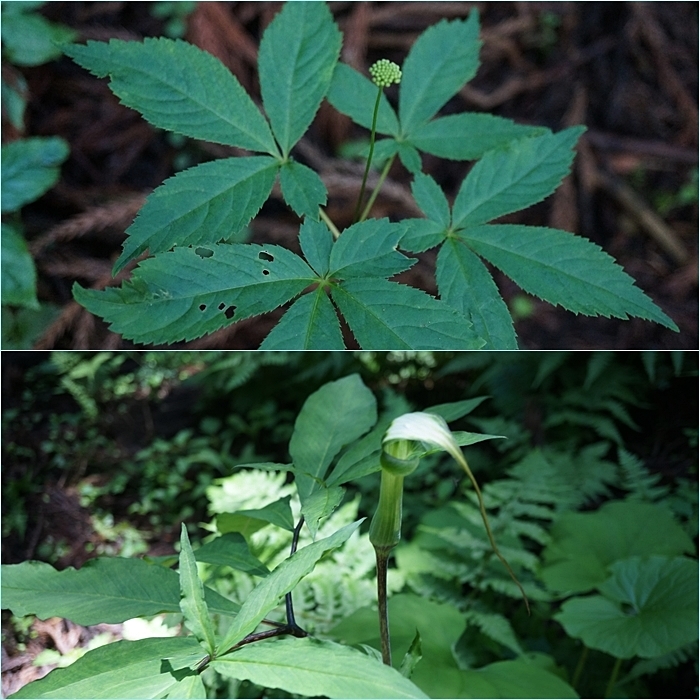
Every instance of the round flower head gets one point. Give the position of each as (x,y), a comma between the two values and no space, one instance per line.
(384,73)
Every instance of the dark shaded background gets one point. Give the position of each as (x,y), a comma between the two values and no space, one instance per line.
(628,71)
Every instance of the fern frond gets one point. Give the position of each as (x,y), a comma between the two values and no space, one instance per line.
(646,667)
(637,480)
(495,627)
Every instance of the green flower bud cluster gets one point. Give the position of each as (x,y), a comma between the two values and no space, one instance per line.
(384,73)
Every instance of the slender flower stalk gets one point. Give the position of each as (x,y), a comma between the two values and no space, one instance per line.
(384,73)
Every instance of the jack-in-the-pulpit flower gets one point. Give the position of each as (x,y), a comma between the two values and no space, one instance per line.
(415,434)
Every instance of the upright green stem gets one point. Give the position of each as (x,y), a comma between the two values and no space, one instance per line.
(384,534)
(579,667)
(369,157)
(613,677)
(382,561)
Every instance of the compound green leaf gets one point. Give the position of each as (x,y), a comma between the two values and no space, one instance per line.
(205,204)
(431,199)
(302,189)
(583,545)
(268,594)
(18,272)
(188,292)
(141,669)
(368,249)
(231,550)
(354,95)
(466,285)
(385,315)
(444,57)
(30,167)
(316,242)
(649,607)
(179,87)
(515,176)
(194,607)
(313,668)
(103,590)
(335,415)
(563,269)
(298,54)
(468,135)
(311,323)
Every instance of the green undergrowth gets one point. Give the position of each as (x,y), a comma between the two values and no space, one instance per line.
(598,529)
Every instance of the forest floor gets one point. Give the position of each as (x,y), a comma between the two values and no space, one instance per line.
(628,71)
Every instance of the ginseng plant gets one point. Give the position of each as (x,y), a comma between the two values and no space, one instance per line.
(198,277)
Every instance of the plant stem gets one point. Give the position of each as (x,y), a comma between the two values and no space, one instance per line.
(369,157)
(579,666)
(382,561)
(384,534)
(382,177)
(613,678)
(329,223)
(292,627)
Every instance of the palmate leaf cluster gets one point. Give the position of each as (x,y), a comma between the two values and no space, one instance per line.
(198,280)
